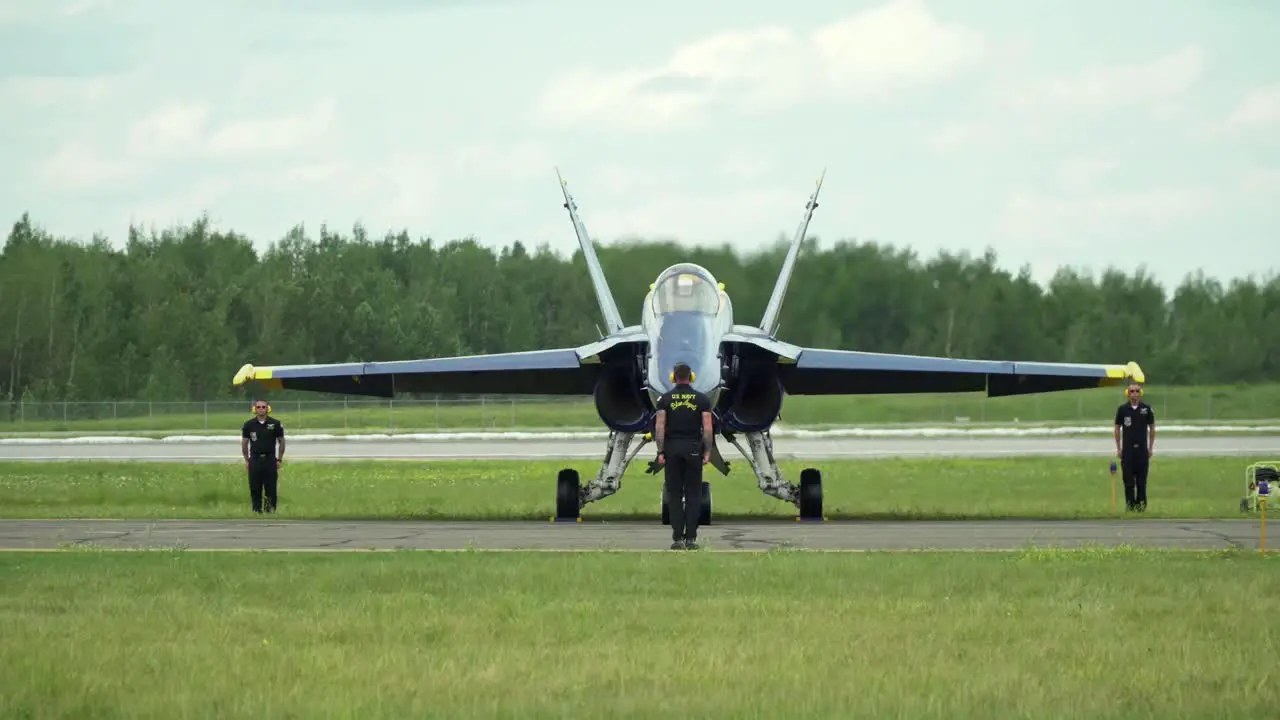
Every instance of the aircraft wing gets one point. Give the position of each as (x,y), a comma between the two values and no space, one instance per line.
(819,371)
(559,371)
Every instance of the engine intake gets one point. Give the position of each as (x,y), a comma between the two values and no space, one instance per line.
(621,401)
(754,401)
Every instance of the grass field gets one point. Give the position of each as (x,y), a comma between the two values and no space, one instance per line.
(881,489)
(1099,634)
(1219,404)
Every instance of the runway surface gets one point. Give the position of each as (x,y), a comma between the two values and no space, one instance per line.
(1261,446)
(267,534)
(270,534)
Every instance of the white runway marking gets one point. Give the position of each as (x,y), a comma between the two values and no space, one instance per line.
(1263,447)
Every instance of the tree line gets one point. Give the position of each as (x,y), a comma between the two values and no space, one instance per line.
(173,314)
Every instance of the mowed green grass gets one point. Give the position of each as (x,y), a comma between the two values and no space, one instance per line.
(1099,634)
(1054,487)
(1221,404)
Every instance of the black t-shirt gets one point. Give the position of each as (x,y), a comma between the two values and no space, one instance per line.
(262,434)
(1133,423)
(684,407)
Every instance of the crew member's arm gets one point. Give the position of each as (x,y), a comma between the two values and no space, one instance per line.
(660,425)
(244,443)
(279,443)
(1119,420)
(1151,431)
(708,437)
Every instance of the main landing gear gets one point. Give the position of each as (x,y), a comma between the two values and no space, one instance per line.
(568,507)
(807,497)
(810,501)
(571,496)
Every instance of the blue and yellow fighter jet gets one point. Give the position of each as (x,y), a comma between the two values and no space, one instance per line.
(745,369)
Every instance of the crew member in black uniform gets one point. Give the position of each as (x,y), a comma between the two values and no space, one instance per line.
(259,437)
(682,431)
(1135,443)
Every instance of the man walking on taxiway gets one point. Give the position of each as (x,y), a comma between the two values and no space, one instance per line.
(683,433)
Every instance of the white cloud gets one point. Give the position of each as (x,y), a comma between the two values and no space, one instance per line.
(281,133)
(1039,216)
(77,165)
(1079,173)
(1152,84)
(21,93)
(80,7)
(1260,108)
(515,161)
(1261,180)
(896,45)
(869,54)
(179,131)
(174,130)
(1155,87)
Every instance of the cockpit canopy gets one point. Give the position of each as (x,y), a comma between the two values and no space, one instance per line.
(686,292)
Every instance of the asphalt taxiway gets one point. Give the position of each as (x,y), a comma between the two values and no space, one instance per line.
(274,534)
(303,535)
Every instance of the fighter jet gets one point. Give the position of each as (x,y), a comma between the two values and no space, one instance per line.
(746,370)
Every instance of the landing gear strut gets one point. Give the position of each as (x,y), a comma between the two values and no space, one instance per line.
(807,496)
(571,496)
(704,517)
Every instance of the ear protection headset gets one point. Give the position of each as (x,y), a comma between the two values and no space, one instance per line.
(255,402)
(692,375)
(1126,389)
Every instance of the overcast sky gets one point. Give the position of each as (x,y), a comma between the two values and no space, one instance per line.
(1081,133)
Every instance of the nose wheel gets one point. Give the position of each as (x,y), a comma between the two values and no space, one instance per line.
(704,517)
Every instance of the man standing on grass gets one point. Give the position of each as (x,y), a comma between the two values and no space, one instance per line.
(682,432)
(1135,444)
(259,437)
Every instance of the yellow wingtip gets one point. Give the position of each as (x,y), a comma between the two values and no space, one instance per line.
(1134,371)
(243,375)
(1124,374)
(248,372)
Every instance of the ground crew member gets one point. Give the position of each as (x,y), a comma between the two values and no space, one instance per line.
(682,431)
(1135,444)
(259,437)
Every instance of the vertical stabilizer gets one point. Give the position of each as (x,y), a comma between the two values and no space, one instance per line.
(769,323)
(609,308)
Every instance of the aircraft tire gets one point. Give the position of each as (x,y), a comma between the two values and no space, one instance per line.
(810,494)
(568,504)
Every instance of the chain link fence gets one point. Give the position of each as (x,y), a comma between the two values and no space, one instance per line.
(1191,405)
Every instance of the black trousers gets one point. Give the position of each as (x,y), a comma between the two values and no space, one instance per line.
(263,477)
(1134,465)
(684,482)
